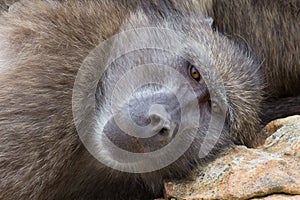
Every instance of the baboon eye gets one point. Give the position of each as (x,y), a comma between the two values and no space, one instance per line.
(195,73)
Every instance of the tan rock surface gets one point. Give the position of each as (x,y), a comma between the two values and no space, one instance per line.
(279,197)
(247,173)
(273,126)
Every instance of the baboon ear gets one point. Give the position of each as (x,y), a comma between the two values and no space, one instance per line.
(209,21)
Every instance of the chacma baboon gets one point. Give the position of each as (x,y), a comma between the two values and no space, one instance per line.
(271,29)
(77,76)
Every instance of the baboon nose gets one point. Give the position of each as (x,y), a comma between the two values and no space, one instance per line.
(160,122)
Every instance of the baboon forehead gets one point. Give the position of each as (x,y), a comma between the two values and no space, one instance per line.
(172,18)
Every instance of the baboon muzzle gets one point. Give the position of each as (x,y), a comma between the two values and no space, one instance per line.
(147,123)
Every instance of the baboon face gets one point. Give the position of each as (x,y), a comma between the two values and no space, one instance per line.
(159,102)
(166,101)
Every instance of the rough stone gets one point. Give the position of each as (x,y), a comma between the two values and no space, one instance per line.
(279,197)
(271,171)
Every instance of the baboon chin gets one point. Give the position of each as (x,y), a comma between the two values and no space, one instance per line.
(99,97)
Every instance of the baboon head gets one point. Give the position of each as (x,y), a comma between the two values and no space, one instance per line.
(156,92)
(165,95)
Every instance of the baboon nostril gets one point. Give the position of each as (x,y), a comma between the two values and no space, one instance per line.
(164,132)
(162,127)
(155,119)
(160,120)
(158,123)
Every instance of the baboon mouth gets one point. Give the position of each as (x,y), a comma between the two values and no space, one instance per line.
(128,142)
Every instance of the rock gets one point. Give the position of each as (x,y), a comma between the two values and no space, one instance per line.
(279,197)
(273,126)
(244,173)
